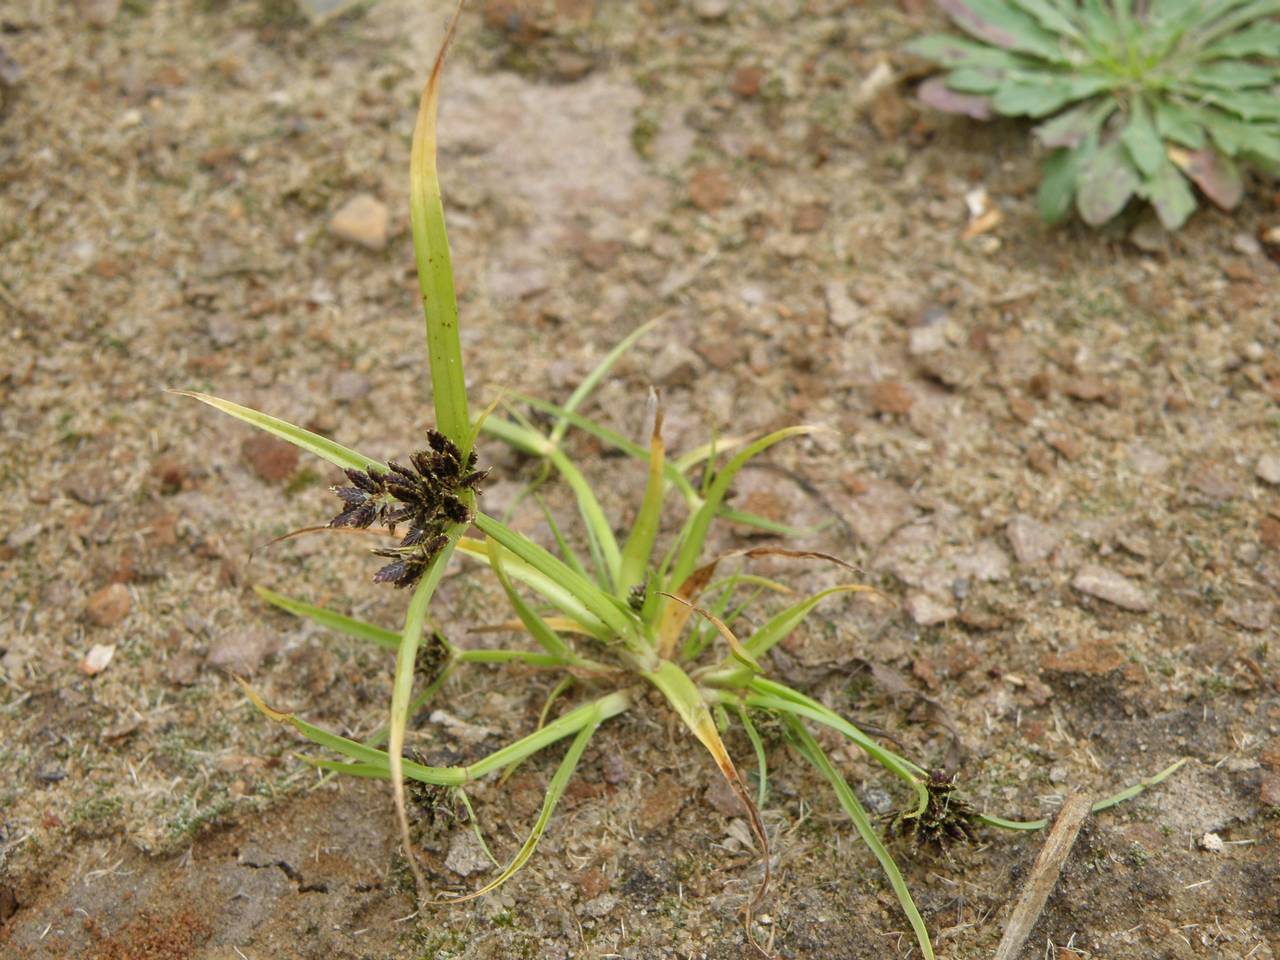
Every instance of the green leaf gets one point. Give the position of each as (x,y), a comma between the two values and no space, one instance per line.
(935,93)
(593,379)
(1259,39)
(322,447)
(1106,182)
(1034,96)
(549,589)
(1171,196)
(435,269)
(771,695)
(695,532)
(600,604)
(780,626)
(1057,185)
(1053,17)
(1234,75)
(415,621)
(1248,105)
(644,530)
(1141,140)
(948,50)
(555,790)
(1071,127)
(976,80)
(547,638)
(1178,124)
(1226,16)
(862,822)
(1004,25)
(388,639)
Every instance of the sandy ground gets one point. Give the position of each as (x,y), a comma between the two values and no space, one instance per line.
(1054,451)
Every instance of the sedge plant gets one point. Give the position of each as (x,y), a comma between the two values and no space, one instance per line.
(1134,98)
(627,615)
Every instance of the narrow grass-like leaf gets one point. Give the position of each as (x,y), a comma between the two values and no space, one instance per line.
(435,270)
(566,551)
(599,532)
(762,762)
(1116,798)
(359,629)
(592,380)
(588,594)
(691,707)
(546,638)
(771,695)
(555,790)
(695,533)
(639,545)
(402,685)
(322,447)
(862,822)
(546,587)
(739,653)
(780,626)
(361,753)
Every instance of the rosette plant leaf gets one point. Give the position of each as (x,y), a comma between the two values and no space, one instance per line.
(1134,98)
(634,612)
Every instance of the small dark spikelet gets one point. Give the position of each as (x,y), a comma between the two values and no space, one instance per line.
(352,495)
(428,495)
(414,537)
(362,480)
(455,510)
(391,572)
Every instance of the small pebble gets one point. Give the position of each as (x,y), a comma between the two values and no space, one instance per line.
(1097,581)
(927,339)
(712,9)
(928,611)
(223,330)
(364,220)
(96,660)
(466,856)
(1031,540)
(841,310)
(239,654)
(1210,842)
(271,459)
(1268,468)
(109,605)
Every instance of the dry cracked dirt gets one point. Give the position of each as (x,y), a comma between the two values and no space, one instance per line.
(1055,452)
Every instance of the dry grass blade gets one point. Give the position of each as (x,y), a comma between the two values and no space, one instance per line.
(739,651)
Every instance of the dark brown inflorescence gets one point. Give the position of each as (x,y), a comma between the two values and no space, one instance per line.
(429,498)
(947,818)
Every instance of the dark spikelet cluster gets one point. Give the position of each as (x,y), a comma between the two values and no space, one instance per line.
(426,497)
(947,818)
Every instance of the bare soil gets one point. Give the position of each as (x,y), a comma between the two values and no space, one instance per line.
(1047,448)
